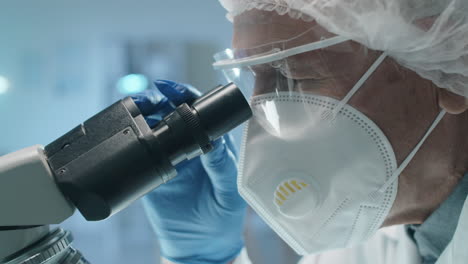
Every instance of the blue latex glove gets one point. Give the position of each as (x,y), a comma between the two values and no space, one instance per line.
(197,216)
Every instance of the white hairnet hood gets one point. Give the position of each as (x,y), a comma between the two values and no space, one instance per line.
(429,37)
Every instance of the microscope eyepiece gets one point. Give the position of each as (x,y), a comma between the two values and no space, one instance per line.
(190,129)
(114,158)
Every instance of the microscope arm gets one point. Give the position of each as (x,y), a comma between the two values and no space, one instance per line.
(30,200)
(29,195)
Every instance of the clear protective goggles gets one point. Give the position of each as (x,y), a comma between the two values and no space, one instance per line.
(332,66)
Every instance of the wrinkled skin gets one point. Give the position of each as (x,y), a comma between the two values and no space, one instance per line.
(399,101)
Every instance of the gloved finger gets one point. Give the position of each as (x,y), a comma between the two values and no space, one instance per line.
(153,120)
(177,93)
(231,146)
(155,104)
(221,167)
(152,102)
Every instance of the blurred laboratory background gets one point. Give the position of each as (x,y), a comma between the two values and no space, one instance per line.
(63,61)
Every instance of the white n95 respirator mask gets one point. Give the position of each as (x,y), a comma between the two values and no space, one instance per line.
(319,172)
(311,177)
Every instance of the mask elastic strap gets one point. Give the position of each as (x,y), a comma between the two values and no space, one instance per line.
(410,156)
(358,85)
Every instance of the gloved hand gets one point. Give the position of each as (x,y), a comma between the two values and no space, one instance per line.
(197,216)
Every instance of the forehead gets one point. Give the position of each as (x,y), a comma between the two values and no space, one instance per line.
(255,27)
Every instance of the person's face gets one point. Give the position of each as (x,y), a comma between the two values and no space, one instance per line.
(390,98)
(399,101)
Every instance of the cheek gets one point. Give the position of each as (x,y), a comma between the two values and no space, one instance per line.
(265,83)
(325,87)
(402,107)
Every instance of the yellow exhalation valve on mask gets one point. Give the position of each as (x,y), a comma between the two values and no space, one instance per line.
(293,198)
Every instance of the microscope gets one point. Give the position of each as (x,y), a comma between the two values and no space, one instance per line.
(100,167)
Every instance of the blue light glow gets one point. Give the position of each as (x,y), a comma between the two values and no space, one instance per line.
(132,83)
(4,84)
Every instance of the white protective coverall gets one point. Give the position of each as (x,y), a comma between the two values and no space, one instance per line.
(391,245)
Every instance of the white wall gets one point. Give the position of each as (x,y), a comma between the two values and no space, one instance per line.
(49,44)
